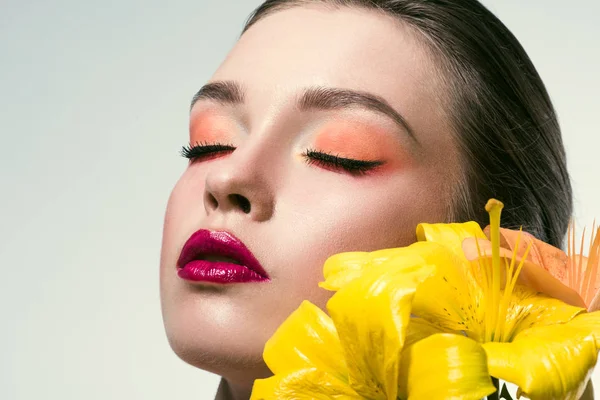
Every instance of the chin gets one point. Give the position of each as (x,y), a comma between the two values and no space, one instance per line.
(209,337)
(221,358)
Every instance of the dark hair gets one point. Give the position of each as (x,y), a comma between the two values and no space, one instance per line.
(505,124)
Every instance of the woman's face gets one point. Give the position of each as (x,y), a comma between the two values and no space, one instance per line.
(340,145)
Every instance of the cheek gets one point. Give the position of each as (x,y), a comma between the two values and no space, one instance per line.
(185,208)
(362,214)
(317,226)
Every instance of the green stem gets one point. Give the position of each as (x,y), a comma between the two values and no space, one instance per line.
(495,395)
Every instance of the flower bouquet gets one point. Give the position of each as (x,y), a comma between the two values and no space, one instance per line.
(447,317)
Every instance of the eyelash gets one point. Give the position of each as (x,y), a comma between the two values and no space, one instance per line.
(349,165)
(206,151)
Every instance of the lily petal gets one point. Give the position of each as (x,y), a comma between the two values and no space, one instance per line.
(546,362)
(306,339)
(343,268)
(445,366)
(543,281)
(550,258)
(305,384)
(589,322)
(530,309)
(449,299)
(371,315)
(418,329)
(532,275)
(451,235)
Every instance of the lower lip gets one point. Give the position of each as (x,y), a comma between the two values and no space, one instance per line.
(217,272)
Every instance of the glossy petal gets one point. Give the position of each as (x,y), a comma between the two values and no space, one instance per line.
(445,366)
(305,384)
(547,362)
(588,322)
(542,281)
(450,235)
(418,329)
(530,309)
(450,298)
(306,339)
(343,268)
(371,315)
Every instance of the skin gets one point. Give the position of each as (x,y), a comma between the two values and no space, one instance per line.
(301,212)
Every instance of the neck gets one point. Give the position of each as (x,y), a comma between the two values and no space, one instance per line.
(229,391)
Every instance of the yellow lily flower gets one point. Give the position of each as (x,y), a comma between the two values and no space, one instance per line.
(360,351)
(540,343)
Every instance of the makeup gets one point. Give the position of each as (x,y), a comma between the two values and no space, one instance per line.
(359,141)
(218,257)
(209,126)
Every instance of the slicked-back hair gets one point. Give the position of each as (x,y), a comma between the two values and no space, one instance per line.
(503,120)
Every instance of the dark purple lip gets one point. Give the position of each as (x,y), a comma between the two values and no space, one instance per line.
(205,244)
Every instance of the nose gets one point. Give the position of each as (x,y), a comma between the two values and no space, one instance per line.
(239,185)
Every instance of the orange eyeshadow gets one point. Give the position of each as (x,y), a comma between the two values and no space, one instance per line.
(357,140)
(208,126)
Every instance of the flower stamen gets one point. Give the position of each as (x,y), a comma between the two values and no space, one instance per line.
(494,209)
(500,297)
(583,271)
(591,270)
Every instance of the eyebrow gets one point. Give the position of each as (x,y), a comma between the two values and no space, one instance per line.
(314,98)
(224,92)
(321,98)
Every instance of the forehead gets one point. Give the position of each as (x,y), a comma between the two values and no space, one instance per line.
(344,47)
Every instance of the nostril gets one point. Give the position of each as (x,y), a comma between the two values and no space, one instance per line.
(240,201)
(212,201)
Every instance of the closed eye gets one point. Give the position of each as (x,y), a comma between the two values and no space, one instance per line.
(205,151)
(336,163)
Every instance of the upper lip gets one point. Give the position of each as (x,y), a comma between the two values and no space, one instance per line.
(203,243)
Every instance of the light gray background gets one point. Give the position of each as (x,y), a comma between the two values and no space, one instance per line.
(93,110)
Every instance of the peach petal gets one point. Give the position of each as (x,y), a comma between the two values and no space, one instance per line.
(532,275)
(551,258)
